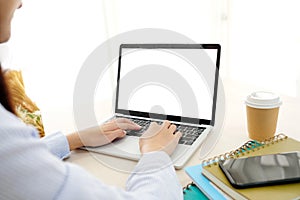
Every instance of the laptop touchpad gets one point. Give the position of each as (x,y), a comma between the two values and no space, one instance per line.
(128,144)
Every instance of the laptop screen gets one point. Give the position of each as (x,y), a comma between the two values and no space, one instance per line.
(174,82)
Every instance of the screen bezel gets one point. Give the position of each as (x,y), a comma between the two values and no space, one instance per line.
(171,117)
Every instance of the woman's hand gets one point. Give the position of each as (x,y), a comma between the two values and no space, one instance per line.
(101,135)
(160,138)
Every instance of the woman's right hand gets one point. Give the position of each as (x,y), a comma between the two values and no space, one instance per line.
(160,138)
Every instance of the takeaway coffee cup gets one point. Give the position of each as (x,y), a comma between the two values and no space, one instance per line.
(262,114)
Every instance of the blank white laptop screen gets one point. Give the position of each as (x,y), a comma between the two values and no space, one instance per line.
(164,81)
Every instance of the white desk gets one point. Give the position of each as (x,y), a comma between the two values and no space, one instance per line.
(233,134)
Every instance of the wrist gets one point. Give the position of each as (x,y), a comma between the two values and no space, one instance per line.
(74,141)
(150,148)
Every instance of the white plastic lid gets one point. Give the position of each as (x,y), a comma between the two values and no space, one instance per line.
(263,100)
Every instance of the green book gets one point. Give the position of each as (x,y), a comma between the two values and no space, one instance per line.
(192,192)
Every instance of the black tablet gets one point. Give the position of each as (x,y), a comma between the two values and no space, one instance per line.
(262,170)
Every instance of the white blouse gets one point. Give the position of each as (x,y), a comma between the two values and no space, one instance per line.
(31,168)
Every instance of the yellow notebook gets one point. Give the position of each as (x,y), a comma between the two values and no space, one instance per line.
(278,144)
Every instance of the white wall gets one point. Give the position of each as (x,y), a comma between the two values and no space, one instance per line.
(51,39)
(264,39)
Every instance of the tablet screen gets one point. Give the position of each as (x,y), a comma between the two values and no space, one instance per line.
(262,170)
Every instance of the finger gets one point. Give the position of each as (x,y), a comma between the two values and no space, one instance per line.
(124,134)
(153,124)
(154,127)
(110,126)
(120,124)
(152,130)
(115,134)
(131,124)
(172,128)
(128,126)
(124,120)
(177,136)
(166,124)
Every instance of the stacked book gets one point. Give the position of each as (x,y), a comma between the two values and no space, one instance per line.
(209,181)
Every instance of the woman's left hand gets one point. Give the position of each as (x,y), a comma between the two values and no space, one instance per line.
(101,135)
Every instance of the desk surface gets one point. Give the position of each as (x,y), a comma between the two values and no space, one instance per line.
(115,171)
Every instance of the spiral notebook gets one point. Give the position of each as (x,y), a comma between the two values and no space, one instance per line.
(278,144)
(204,184)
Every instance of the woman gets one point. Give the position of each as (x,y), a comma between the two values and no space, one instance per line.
(32,168)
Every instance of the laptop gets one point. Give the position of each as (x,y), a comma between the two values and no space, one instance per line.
(157,82)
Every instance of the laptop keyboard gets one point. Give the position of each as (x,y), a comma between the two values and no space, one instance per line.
(189,133)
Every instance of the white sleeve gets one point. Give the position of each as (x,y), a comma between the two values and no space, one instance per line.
(153,178)
(155,174)
(29,170)
(57,144)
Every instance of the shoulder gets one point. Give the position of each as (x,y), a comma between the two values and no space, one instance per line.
(11,126)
